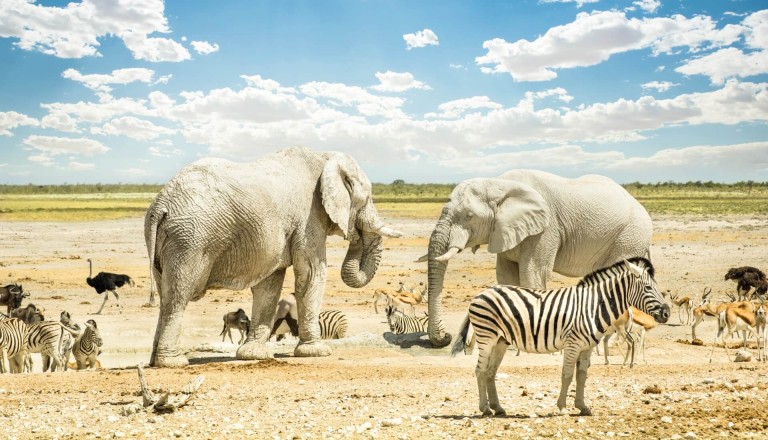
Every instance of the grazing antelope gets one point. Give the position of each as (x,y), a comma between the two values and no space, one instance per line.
(683,307)
(708,309)
(735,319)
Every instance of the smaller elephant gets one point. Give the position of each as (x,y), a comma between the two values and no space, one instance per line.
(535,223)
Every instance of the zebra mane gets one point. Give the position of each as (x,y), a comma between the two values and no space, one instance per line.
(598,274)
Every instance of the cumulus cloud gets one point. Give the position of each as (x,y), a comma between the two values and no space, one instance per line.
(747,156)
(101,82)
(579,3)
(398,82)
(74,31)
(55,146)
(80,166)
(454,109)
(11,120)
(204,47)
(649,6)
(659,86)
(421,39)
(134,128)
(594,37)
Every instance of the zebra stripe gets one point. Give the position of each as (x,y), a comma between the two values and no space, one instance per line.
(571,319)
(87,346)
(400,323)
(333,324)
(46,338)
(13,341)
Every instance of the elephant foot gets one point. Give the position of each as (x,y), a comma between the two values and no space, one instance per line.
(161,361)
(253,351)
(585,412)
(438,342)
(312,349)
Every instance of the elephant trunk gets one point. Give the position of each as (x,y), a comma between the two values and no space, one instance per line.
(438,245)
(362,260)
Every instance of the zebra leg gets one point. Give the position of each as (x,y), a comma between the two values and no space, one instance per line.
(481,372)
(570,355)
(582,365)
(497,355)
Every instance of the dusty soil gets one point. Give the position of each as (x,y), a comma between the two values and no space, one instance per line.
(369,387)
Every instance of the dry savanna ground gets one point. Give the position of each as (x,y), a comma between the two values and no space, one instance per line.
(370,387)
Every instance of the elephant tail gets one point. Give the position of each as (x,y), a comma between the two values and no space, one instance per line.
(156,216)
(464,340)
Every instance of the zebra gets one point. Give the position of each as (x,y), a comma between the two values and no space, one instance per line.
(87,346)
(572,319)
(12,341)
(48,339)
(333,324)
(400,323)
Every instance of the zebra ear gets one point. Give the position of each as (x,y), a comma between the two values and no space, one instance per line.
(634,269)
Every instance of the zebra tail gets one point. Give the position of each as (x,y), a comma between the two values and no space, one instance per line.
(461,338)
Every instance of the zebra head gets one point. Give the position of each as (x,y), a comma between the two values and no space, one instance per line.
(643,292)
(95,336)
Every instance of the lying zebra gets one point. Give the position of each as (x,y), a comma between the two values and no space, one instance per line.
(572,319)
(333,325)
(400,323)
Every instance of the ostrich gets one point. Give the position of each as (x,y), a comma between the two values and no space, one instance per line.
(746,278)
(106,282)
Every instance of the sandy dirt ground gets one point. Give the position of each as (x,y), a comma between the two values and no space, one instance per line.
(369,387)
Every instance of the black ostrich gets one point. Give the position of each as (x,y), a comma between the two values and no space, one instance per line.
(747,277)
(107,282)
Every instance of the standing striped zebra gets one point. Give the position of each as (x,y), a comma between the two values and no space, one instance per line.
(13,341)
(333,324)
(87,346)
(400,323)
(46,338)
(572,319)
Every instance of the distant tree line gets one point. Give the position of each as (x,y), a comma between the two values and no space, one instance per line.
(398,189)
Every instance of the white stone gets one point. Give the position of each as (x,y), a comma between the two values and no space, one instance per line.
(666,419)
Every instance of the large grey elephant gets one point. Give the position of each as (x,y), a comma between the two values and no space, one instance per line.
(535,222)
(227,225)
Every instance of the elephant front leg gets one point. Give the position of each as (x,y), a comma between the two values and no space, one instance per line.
(266,294)
(310,285)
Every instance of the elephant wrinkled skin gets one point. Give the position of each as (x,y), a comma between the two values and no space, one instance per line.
(536,223)
(227,225)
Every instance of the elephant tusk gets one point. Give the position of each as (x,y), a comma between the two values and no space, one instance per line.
(448,255)
(422,258)
(386,231)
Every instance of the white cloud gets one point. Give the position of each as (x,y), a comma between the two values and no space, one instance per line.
(365,103)
(80,166)
(54,146)
(739,157)
(421,39)
(659,86)
(73,31)
(579,3)
(60,121)
(594,37)
(266,84)
(134,128)
(649,6)
(398,82)
(454,109)
(204,47)
(101,82)
(165,152)
(11,120)
(41,159)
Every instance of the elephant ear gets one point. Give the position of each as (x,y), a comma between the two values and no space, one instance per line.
(521,212)
(335,190)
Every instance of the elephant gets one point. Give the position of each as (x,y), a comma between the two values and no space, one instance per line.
(536,223)
(220,224)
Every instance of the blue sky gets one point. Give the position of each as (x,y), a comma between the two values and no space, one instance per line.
(107,91)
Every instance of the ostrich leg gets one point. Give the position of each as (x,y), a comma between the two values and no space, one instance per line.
(106,297)
(119,306)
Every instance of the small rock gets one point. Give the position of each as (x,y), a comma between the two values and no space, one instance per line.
(666,419)
(391,422)
(743,356)
(690,435)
